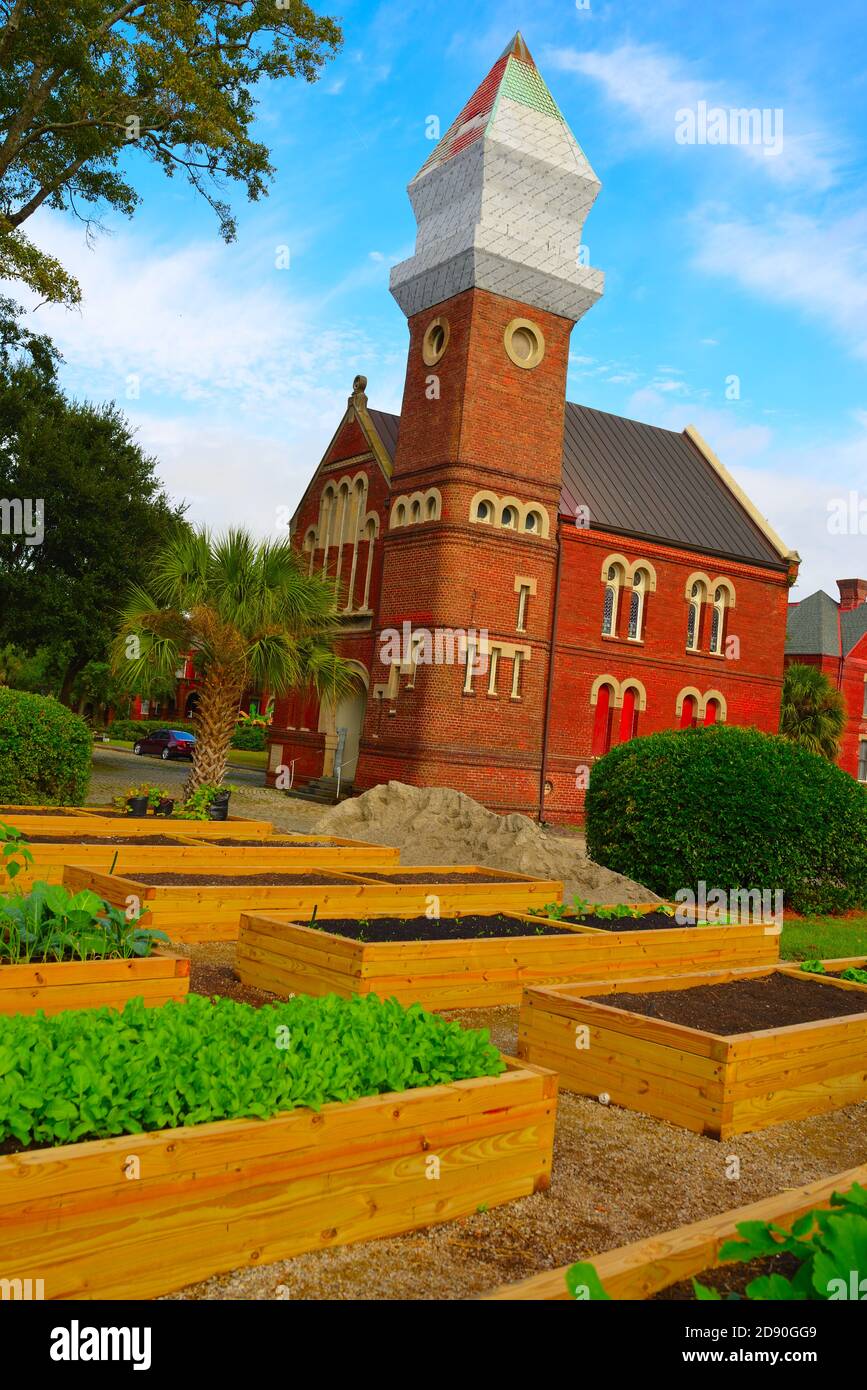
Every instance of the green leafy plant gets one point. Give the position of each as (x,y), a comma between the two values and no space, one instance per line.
(187,1064)
(16,851)
(830,1246)
(735,808)
(198,803)
(813,967)
(52,924)
(854,974)
(153,793)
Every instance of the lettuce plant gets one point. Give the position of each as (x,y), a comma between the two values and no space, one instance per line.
(93,1073)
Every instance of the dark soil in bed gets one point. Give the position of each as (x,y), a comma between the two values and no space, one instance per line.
(469,928)
(271,844)
(745,1006)
(435,876)
(729,1278)
(232,880)
(104,840)
(650,921)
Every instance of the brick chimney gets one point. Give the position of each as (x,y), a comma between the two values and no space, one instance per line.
(853,592)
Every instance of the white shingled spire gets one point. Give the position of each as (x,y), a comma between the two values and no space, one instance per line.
(501,202)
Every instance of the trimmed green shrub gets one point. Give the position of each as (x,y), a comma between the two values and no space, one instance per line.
(188,1063)
(131,729)
(732,807)
(249,737)
(45,751)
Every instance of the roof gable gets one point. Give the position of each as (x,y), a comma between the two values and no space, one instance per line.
(813,627)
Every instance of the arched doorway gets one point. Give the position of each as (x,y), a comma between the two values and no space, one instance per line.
(349,715)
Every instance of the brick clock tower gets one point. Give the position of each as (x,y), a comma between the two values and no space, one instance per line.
(491,295)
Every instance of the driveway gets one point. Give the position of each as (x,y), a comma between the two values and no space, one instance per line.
(115,770)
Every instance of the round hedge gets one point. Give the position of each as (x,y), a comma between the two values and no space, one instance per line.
(45,751)
(732,807)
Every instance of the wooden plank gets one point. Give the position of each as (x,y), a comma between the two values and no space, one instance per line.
(59,985)
(221,1196)
(639,1270)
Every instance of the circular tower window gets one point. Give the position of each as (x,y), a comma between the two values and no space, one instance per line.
(525,343)
(435,341)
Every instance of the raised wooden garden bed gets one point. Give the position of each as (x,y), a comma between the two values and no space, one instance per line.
(211,911)
(55,985)
(215,1197)
(615,951)
(42,820)
(715,1082)
(834,964)
(640,1270)
(164,848)
(281,952)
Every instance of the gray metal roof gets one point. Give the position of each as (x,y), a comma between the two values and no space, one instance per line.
(813,627)
(639,480)
(853,625)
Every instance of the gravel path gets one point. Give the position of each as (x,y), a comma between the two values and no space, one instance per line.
(618,1176)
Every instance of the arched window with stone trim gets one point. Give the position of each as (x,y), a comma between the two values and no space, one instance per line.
(723,599)
(636,605)
(697,599)
(604,699)
(613,582)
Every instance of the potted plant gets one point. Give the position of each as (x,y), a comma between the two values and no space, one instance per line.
(165,806)
(208,802)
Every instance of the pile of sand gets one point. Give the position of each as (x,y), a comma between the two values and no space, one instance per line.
(435,825)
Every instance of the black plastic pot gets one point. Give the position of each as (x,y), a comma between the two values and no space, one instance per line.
(218,810)
(138,805)
(164,807)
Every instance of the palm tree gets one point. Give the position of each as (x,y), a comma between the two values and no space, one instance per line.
(248,614)
(813,711)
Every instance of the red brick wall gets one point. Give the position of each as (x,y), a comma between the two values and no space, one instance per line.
(848,677)
(751,681)
(493,426)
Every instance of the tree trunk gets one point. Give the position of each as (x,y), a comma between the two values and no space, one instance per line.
(214,720)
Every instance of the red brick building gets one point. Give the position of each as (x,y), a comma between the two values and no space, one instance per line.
(560,579)
(833,636)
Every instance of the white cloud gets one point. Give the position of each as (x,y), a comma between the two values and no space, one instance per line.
(652,86)
(241,379)
(817,267)
(794,488)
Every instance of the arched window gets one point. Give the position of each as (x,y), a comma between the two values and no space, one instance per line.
(609,605)
(532,522)
(484,511)
(693,622)
(602,721)
(717,628)
(636,605)
(509,517)
(400,515)
(712,712)
(415,513)
(688,712)
(431,508)
(629,714)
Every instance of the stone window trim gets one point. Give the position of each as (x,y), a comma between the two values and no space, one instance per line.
(701,702)
(523,511)
(524,342)
(525,588)
(436,340)
(415,508)
(619,689)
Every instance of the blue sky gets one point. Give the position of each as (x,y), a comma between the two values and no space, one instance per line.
(721,261)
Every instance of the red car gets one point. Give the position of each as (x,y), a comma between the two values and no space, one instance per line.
(166,743)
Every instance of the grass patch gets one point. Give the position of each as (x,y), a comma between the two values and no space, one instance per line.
(819,938)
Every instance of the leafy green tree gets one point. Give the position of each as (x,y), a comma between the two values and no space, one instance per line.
(85,82)
(103,514)
(249,613)
(812,710)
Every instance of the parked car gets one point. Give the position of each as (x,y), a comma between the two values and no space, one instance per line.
(167,743)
